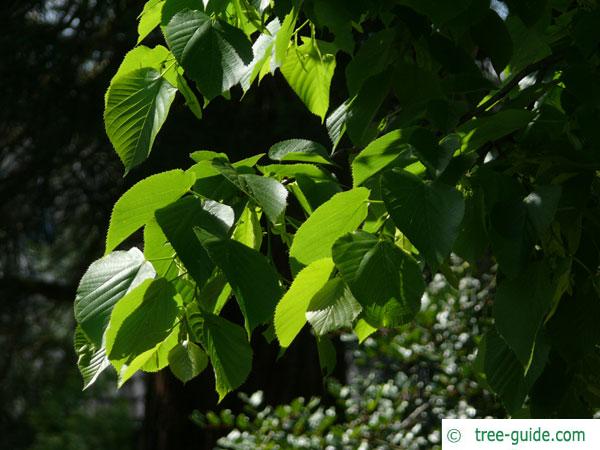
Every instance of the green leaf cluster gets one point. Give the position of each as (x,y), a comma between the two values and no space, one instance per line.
(464,128)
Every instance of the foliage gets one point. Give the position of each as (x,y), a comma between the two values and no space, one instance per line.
(453,138)
(400,384)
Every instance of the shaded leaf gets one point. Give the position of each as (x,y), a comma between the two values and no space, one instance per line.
(386,281)
(227,347)
(187,360)
(429,214)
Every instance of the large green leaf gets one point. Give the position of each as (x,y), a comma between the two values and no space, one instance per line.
(136,207)
(505,374)
(227,347)
(290,314)
(177,221)
(301,150)
(309,70)
(429,214)
(254,281)
(380,153)
(104,283)
(343,213)
(212,52)
(140,323)
(91,360)
(137,105)
(332,307)
(187,360)
(520,307)
(386,281)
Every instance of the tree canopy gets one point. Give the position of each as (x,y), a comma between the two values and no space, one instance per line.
(464,128)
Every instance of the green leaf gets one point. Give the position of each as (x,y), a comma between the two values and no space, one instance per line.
(415,86)
(364,107)
(266,192)
(269,194)
(91,360)
(136,207)
(178,220)
(282,40)
(140,322)
(429,214)
(153,360)
(159,252)
(227,347)
(386,281)
(187,361)
(105,282)
(332,307)
(150,18)
(327,355)
(363,330)
(508,236)
(264,60)
(301,150)
(308,70)
(478,132)
(337,122)
(290,314)
(473,238)
(435,156)
(492,37)
(505,374)
(531,46)
(137,105)
(247,229)
(172,7)
(380,153)
(199,43)
(343,213)
(372,58)
(520,307)
(142,57)
(254,281)
(541,206)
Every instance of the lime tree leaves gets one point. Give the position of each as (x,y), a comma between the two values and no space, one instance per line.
(386,281)
(213,53)
(344,212)
(137,206)
(429,214)
(137,106)
(457,129)
(105,282)
(308,70)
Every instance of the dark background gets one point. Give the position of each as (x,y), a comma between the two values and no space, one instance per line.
(59,179)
